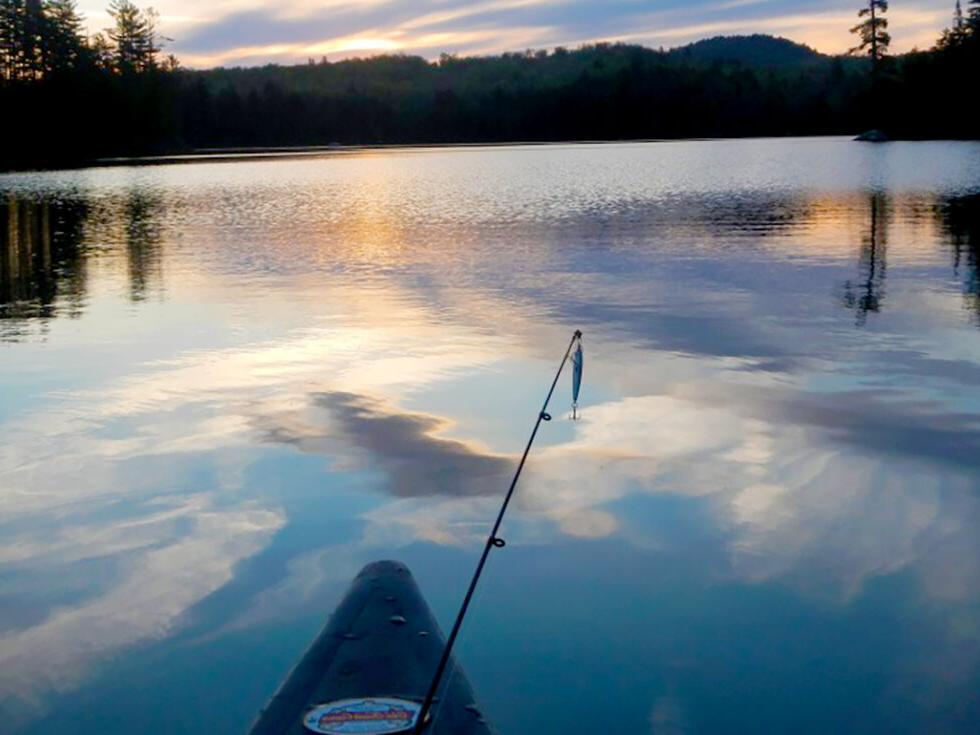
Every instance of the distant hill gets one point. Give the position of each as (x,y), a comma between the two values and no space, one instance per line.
(755,51)
(526,70)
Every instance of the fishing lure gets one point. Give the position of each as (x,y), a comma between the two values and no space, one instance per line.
(577,364)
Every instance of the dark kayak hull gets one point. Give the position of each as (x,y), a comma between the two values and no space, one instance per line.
(381,641)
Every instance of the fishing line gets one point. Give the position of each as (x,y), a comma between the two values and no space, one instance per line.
(453,669)
(493,540)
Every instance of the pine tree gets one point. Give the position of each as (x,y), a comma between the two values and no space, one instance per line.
(100,52)
(873,32)
(65,42)
(151,42)
(33,50)
(972,22)
(38,38)
(17,46)
(134,37)
(955,35)
(125,35)
(9,19)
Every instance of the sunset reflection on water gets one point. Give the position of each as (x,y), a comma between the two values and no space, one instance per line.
(228,385)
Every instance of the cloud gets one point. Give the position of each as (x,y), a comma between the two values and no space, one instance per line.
(250,32)
(405,446)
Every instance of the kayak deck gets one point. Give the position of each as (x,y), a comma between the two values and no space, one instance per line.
(381,642)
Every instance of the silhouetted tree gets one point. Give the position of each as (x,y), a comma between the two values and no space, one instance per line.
(21,39)
(101,52)
(873,32)
(972,22)
(65,43)
(35,50)
(955,34)
(9,42)
(134,37)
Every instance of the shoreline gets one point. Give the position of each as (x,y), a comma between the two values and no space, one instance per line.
(257,153)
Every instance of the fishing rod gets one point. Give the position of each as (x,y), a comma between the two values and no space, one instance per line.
(493,540)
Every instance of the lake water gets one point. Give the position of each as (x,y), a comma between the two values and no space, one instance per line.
(228,385)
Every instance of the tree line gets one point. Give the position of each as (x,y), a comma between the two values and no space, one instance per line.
(43,39)
(69,98)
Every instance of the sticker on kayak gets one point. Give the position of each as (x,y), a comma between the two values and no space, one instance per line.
(368,716)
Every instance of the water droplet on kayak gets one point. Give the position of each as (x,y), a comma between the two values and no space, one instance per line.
(397,620)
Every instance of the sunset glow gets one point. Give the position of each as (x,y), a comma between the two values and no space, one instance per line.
(247,32)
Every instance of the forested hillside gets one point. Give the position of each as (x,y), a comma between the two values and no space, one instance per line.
(756,51)
(74,99)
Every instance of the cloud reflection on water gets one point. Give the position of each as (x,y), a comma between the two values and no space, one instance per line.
(375,323)
(828,518)
(403,446)
(163,574)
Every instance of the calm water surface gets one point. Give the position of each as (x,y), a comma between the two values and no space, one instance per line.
(228,385)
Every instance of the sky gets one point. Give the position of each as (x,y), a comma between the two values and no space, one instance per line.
(252,32)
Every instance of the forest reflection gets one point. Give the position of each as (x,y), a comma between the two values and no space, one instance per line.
(142,222)
(961,221)
(46,248)
(867,294)
(48,245)
(42,269)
